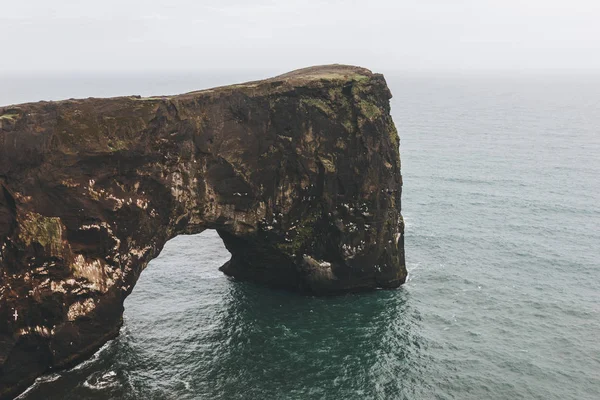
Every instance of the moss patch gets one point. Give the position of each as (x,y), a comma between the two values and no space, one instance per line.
(152,98)
(348,125)
(9,116)
(116,144)
(328,164)
(337,96)
(360,78)
(304,233)
(329,75)
(344,107)
(47,231)
(84,128)
(369,110)
(393,132)
(318,104)
(340,144)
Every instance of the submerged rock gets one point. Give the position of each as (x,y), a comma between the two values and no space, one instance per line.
(299,175)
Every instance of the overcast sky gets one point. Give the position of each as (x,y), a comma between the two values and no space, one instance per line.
(143,35)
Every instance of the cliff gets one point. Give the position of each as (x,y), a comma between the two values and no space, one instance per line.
(299,175)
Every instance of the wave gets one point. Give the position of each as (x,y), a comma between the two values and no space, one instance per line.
(101,381)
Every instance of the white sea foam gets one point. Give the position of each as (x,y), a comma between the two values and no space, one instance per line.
(94,357)
(41,380)
(98,381)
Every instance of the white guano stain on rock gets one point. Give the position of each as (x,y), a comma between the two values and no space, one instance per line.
(39,330)
(80,309)
(96,272)
(139,253)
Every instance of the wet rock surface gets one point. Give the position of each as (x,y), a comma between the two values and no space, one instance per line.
(299,174)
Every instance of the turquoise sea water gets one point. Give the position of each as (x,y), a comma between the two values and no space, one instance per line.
(502,205)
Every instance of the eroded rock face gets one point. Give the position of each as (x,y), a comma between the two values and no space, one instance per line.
(299,174)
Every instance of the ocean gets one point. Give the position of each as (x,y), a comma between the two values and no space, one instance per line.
(502,207)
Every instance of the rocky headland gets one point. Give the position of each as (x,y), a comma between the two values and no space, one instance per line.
(299,174)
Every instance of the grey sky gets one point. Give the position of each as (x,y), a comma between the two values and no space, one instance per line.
(142,35)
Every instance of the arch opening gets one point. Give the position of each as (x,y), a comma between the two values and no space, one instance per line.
(190,332)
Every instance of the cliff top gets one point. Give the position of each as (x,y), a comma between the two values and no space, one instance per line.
(299,78)
(305,77)
(326,72)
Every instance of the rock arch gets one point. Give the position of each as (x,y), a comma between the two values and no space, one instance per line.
(299,175)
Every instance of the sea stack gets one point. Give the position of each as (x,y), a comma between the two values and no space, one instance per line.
(299,174)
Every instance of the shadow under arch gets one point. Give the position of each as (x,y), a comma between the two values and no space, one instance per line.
(190,332)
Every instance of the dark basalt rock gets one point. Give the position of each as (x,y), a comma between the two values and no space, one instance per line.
(299,174)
